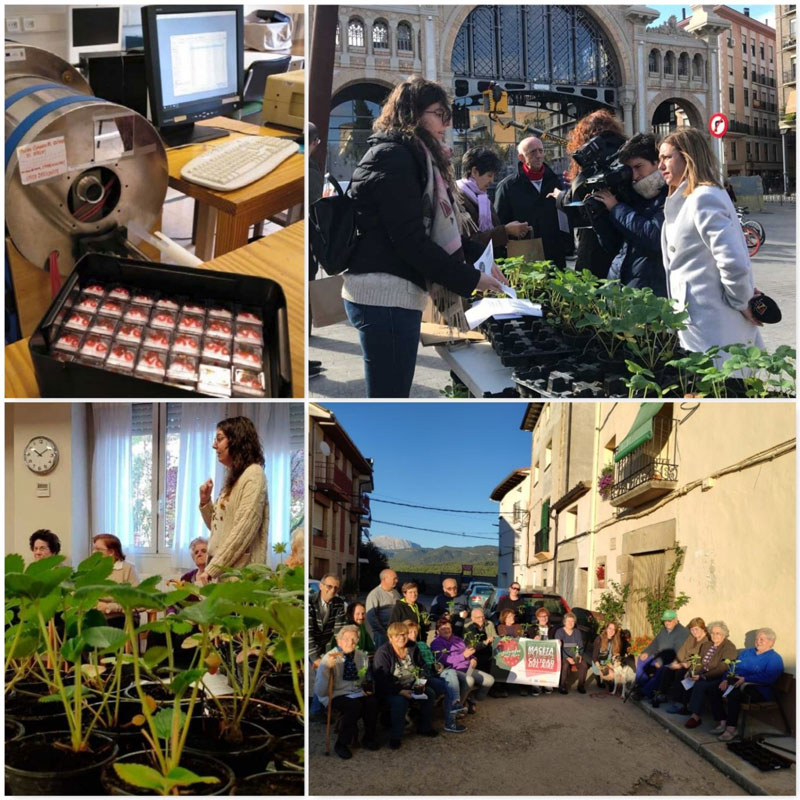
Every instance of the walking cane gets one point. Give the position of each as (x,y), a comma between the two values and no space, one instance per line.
(330,708)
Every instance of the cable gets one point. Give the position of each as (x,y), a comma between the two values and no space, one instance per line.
(430,508)
(433,530)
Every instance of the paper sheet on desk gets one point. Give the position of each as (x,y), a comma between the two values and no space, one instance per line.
(492,307)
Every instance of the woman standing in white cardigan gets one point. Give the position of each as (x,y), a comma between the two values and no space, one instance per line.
(238,520)
(705,256)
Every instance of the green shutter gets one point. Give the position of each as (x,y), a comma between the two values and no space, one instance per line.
(545,525)
(640,432)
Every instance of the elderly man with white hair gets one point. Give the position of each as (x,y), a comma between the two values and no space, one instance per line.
(757,669)
(350,669)
(524,196)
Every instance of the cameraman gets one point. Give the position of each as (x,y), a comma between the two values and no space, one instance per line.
(638,262)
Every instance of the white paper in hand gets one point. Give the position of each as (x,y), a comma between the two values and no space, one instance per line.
(494,307)
(510,291)
(687,683)
(484,263)
(728,691)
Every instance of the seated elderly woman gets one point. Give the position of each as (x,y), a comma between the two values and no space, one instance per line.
(452,651)
(347,695)
(44,543)
(711,668)
(397,668)
(443,681)
(758,668)
(687,659)
(357,615)
(515,630)
(109,545)
(198,548)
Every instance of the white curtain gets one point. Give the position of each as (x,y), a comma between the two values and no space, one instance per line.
(198,462)
(111,472)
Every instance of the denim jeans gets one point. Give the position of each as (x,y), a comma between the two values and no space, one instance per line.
(389,341)
(446,682)
(398,705)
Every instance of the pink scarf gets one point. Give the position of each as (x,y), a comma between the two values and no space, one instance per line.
(481,199)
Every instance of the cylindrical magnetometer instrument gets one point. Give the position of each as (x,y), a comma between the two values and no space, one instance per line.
(76,165)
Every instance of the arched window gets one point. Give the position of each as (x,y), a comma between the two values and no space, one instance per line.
(683,65)
(697,67)
(405,41)
(380,36)
(654,62)
(669,63)
(355,33)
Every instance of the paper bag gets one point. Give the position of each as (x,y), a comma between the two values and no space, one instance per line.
(530,248)
(327,306)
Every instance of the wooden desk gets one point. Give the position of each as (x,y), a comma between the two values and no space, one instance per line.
(232,213)
(280,256)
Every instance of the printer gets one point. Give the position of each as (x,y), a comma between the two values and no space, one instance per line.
(284,99)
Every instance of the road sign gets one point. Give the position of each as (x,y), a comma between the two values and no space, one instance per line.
(466,568)
(718,125)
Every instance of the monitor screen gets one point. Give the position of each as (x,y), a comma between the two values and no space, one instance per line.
(194,57)
(93,29)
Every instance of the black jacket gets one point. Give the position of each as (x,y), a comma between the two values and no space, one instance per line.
(517,199)
(403,611)
(638,262)
(441,606)
(383,669)
(388,186)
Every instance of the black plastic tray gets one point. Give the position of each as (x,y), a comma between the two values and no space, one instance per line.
(73,379)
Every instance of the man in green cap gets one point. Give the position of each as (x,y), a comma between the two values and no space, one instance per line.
(660,652)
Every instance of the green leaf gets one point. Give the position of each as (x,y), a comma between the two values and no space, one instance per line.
(44,565)
(154,656)
(180,776)
(181,682)
(142,776)
(281,652)
(48,606)
(71,649)
(105,637)
(162,721)
(15,563)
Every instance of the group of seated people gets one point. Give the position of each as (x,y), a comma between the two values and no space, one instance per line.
(408,672)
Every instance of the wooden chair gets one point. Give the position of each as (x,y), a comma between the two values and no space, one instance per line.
(781,687)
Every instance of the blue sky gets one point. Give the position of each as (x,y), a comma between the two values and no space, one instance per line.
(447,455)
(756,12)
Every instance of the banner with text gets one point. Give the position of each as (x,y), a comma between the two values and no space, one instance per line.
(527,661)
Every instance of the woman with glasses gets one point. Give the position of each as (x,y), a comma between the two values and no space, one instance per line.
(397,668)
(239,518)
(410,237)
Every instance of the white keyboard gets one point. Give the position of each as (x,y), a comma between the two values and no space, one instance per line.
(234,164)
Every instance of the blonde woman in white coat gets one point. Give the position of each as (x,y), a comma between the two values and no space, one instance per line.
(707,263)
(238,520)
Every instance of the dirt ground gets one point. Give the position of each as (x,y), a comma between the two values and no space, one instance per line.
(573,744)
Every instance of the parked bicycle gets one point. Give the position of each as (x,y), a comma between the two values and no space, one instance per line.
(753,223)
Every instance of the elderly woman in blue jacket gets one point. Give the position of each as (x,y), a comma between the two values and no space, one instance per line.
(757,669)
(705,256)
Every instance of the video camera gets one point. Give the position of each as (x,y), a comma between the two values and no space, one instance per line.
(600,169)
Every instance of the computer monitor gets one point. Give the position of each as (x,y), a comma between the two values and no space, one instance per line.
(194,59)
(93,29)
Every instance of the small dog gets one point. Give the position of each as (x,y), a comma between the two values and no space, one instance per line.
(624,676)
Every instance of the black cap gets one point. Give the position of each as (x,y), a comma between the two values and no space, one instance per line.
(765,309)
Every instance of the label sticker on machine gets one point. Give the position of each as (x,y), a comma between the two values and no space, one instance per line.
(41,160)
(15,53)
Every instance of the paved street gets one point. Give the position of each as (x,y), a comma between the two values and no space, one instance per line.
(774,266)
(590,744)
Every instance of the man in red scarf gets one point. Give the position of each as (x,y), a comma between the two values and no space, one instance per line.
(524,197)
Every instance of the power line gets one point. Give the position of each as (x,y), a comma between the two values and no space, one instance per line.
(374,499)
(433,530)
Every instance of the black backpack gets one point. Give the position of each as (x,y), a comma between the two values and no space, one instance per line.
(332,232)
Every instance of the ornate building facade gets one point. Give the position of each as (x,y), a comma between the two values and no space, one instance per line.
(786,46)
(558,62)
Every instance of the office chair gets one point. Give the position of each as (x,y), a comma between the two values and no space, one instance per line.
(255,79)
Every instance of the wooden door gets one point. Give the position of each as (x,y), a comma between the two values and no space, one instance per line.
(648,572)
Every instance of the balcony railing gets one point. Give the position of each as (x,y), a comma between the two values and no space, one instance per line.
(650,470)
(790,76)
(332,480)
(738,127)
